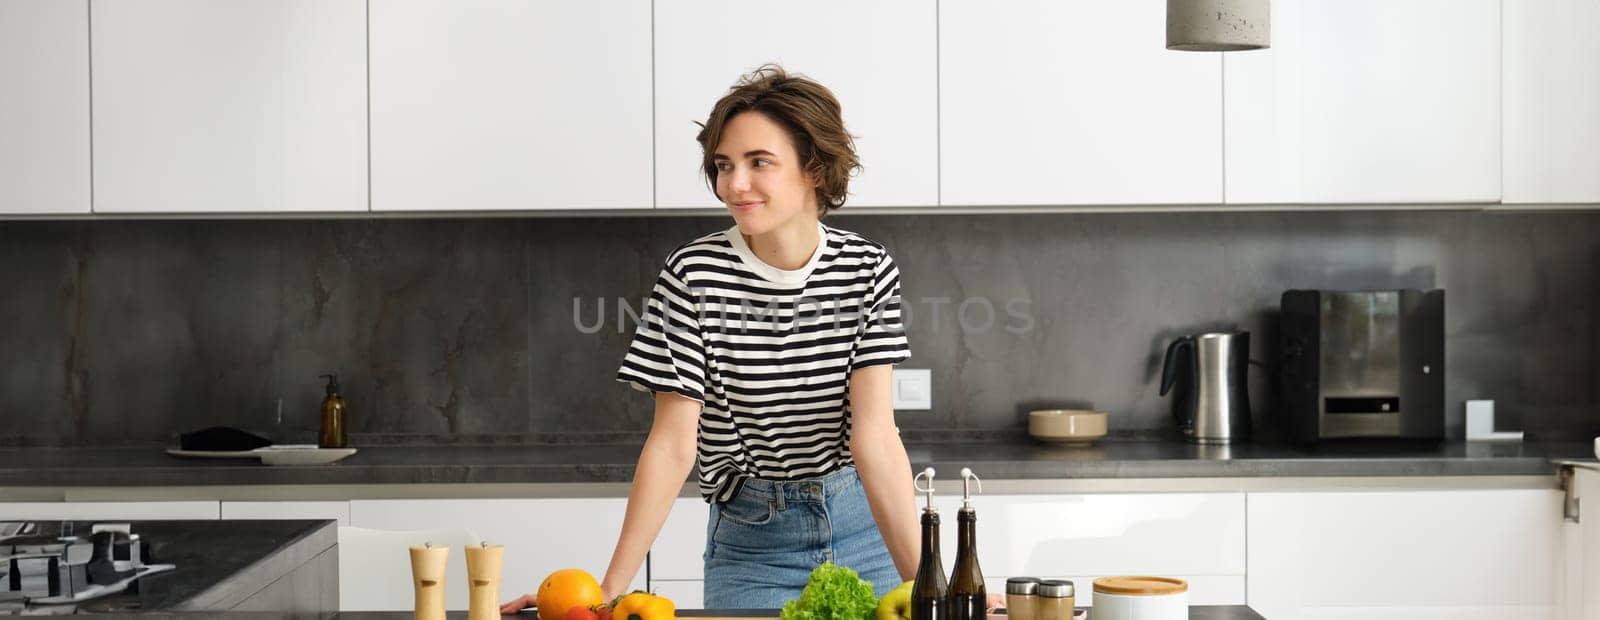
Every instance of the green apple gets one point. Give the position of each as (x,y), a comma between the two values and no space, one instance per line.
(896,605)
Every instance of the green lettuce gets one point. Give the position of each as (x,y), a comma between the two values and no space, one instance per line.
(832,593)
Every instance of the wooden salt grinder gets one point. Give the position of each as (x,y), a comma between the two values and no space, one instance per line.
(483,581)
(427,577)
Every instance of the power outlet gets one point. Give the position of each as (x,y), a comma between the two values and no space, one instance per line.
(913,389)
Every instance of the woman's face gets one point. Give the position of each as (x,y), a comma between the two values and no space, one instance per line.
(759,176)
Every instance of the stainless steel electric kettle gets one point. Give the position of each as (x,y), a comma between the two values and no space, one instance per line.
(1212,403)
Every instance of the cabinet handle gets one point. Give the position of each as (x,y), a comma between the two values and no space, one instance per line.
(1569,504)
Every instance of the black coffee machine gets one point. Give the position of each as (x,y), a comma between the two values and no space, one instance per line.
(1362,365)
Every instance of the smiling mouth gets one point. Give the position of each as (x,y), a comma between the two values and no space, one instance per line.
(745,206)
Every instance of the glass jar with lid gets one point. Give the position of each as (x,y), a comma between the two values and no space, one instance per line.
(1022,598)
(1055,600)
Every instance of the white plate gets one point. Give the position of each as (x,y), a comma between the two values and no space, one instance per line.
(213,454)
(293,454)
(302,455)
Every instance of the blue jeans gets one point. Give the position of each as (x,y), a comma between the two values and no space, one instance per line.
(762,544)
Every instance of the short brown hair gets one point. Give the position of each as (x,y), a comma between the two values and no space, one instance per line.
(810,113)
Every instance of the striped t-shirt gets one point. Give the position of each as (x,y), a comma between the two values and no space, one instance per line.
(768,351)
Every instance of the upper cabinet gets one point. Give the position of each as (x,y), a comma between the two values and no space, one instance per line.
(243,106)
(1367,101)
(1063,102)
(510,105)
(265,106)
(44,106)
(877,56)
(1552,101)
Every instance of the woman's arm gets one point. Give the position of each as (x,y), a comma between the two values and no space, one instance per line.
(885,469)
(664,464)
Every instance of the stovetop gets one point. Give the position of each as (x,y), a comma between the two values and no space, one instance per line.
(59,566)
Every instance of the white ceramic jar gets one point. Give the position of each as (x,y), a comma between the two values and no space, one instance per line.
(1140,598)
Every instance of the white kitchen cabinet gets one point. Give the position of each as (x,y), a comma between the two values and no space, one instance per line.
(1552,101)
(44,107)
(1199,537)
(96,511)
(1416,555)
(541,536)
(679,548)
(1367,101)
(1196,536)
(245,106)
(510,105)
(684,594)
(1104,534)
(877,56)
(338,511)
(1066,102)
(1581,549)
(1203,589)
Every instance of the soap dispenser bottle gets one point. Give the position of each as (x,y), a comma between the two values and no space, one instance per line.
(332,435)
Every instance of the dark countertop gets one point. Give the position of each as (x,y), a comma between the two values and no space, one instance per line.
(219,563)
(1197,612)
(150,466)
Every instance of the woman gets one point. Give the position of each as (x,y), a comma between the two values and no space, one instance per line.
(768,348)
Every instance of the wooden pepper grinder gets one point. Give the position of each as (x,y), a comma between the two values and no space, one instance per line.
(427,576)
(483,581)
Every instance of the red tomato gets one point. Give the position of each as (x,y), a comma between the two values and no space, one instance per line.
(604,612)
(579,612)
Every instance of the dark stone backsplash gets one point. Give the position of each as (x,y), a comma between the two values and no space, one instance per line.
(466,331)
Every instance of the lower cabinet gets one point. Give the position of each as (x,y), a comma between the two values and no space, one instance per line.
(677,554)
(685,593)
(1203,590)
(1581,548)
(132,511)
(1198,537)
(540,536)
(1412,555)
(1404,554)
(1195,536)
(335,510)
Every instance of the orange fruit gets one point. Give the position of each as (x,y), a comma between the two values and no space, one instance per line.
(565,589)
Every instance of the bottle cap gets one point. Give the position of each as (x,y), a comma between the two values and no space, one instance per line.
(1022,585)
(1055,588)
(916,483)
(967,478)
(333,383)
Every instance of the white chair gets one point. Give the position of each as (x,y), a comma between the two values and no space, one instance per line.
(375,567)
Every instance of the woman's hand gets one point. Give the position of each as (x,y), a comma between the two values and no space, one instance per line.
(517,605)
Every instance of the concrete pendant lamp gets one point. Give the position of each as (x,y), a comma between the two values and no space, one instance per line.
(1219,25)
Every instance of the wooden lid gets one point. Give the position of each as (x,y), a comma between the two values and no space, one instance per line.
(1140,585)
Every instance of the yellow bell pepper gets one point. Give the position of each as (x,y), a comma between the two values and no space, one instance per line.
(644,606)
